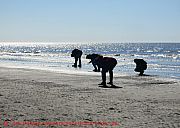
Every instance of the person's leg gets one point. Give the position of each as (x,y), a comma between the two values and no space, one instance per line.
(111,67)
(103,73)
(111,77)
(94,65)
(75,64)
(79,62)
(98,69)
(141,73)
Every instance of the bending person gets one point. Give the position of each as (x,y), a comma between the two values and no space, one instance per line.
(107,64)
(92,57)
(76,53)
(141,65)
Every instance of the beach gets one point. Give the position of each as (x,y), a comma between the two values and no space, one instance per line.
(42,96)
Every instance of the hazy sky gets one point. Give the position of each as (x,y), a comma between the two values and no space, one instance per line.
(90,20)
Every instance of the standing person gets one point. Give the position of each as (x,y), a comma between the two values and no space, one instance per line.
(107,64)
(76,53)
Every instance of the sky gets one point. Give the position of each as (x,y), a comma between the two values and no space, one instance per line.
(90,20)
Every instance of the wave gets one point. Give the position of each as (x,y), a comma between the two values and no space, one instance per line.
(160,57)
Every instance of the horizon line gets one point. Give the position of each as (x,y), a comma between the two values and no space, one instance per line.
(89,42)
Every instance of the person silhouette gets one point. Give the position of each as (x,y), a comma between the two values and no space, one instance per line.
(76,53)
(141,65)
(92,57)
(107,64)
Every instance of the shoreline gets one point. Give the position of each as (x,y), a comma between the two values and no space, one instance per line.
(78,71)
(43,96)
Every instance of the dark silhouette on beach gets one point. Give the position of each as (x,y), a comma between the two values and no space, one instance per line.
(92,57)
(76,53)
(107,64)
(141,65)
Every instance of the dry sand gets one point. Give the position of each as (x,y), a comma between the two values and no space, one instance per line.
(42,96)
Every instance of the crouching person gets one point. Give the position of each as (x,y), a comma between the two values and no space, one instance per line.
(92,57)
(76,53)
(141,65)
(107,64)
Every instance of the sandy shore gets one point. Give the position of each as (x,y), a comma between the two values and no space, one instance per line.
(42,96)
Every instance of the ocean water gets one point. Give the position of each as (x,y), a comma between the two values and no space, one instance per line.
(163,59)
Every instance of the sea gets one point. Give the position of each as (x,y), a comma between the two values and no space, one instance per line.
(163,59)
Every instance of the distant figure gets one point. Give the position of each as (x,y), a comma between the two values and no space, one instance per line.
(141,65)
(107,64)
(92,57)
(76,53)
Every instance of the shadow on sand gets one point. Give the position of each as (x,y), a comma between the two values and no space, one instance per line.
(147,75)
(115,87)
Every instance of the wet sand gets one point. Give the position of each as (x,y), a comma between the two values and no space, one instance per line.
(42,96)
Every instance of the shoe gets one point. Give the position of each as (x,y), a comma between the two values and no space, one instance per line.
(113,86)
(95,70)
(74,66)
(103,83)
(110,83)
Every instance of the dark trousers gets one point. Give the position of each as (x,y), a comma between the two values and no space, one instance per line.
(108,68)
(96,68)
(104,75)
(76,60)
